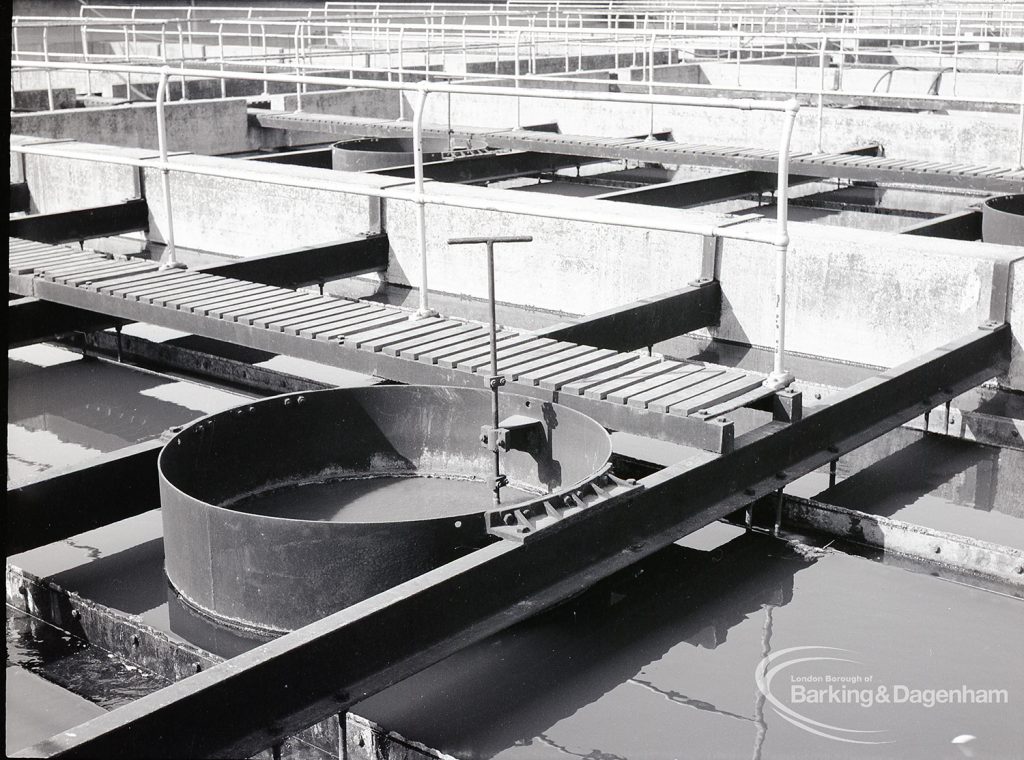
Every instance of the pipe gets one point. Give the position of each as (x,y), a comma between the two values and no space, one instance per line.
(780,377)
(49,79)
(165,172)
(821,94)
(515,57)
(421,212)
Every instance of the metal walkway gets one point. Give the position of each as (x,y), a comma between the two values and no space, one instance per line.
(996,179)
(623,391)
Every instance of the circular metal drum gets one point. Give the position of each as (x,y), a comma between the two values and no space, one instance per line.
(1002,220)
(370,153)
(285,510)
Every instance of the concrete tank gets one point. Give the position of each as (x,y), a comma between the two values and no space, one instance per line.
(373,153)
(1002,220)
(285,510)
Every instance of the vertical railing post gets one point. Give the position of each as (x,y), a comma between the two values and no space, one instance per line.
(821,93)
(84,32)
(49,79)
(780,377)
(419,105)
(515,56)
(165,171)
(650,83)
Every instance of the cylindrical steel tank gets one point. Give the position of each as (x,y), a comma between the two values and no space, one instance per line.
(372,153)
(255,499)
(1002,220)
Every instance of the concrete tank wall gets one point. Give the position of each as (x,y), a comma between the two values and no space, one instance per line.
(854,295)
(200,127)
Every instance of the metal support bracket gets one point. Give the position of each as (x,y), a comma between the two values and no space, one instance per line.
(522,522)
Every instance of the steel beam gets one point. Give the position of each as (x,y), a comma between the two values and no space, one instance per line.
(491,167)
(104,489)
(82,224)
(329,665)
(645,322)
(19,197)
(304,266)
(695,192)
(30,320)
(960,225)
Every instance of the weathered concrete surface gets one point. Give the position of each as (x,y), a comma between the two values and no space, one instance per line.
(38,100)
(200,127)
(251,217)
(858,296)
(65,184)
(960,137)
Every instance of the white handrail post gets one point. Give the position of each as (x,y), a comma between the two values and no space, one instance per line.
(821,93)
(49,79)
(181,61)
(780,377)
(85,56)
(165,171)
(1020,143)
(220,44)
(401,72)
(422,90)
(650,83)
(515,56)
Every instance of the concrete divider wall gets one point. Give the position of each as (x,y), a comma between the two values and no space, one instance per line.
(247,218)
(219,215)
(66,183)
(854,295)
(199,127)
(971,138)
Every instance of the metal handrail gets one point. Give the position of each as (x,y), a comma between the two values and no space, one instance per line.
(779,239)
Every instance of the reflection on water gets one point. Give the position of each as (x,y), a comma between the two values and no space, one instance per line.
(659,662)
(934,481)
(63,409)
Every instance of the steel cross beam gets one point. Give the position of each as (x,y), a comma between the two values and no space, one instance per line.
(18,197)
(256,699)
(644,322)
(82,224)
(302,266)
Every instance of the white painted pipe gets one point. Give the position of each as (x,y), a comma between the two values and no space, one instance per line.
(780,377)
(421,211)
(165,171)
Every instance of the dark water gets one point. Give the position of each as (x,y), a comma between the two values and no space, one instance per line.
(86,670)
(379,499)
(941,483)
(63,409)
(660,662)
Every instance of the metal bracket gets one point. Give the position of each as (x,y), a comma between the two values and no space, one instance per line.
(522,522)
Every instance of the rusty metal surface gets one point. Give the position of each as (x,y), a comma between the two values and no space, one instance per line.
(1002,220)
(276,573)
